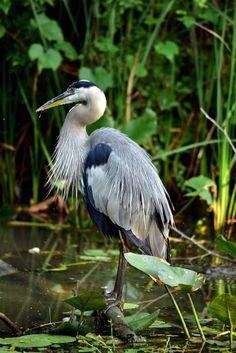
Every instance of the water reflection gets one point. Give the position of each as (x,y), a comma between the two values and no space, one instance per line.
(33,285)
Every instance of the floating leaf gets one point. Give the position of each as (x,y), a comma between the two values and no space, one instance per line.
(141,321)
(225,246)
(89,300)
(223,308)
(36,340)
(178,277)
(142,128)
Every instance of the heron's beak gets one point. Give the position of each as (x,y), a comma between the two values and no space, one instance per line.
(64,98)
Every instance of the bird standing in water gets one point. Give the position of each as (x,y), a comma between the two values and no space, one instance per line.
(122,190)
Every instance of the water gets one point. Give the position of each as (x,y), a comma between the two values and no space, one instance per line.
(34,283)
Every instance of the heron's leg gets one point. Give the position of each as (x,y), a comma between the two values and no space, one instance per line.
(116,295)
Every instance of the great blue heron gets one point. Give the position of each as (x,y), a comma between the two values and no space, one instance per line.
(122,190)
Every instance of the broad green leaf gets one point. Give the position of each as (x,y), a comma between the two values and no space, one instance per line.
(141,71)
(36,340)
(68,49)
(169,49)
(5,6)
(142,128)
(178,277)
(2,31)
(203,194)
(223,308)
(166,99)
(199,182)
(85,73)
(100,76)
(103,78)
(105,45)
(188,21)
(50,60)
(89,300)
(49,28)
(35,51)
(141,321)
(225,245)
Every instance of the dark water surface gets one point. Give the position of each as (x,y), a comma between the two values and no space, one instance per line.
(34,285)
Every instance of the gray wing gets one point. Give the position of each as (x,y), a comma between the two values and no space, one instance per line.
(127,189)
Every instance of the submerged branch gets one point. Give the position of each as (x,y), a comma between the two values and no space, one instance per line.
(9,323)
(119,324)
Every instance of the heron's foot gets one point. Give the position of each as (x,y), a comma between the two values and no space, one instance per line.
(113,299)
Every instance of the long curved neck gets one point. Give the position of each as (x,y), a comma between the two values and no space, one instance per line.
(68,159)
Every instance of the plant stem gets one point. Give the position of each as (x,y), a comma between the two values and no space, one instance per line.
(178,311)
(196,317)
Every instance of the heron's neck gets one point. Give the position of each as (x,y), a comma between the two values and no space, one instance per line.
(69,157)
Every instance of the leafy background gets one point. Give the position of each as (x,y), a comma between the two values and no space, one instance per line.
(158,63)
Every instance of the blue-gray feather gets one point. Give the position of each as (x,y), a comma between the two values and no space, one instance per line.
(121,183)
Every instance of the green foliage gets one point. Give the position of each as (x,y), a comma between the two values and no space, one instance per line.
(168,49)
(91,300)
(178,277)
(141,321)
(223,307)
(99,75)
(225,246)
(50,59)
(142,128)
(36,340)
(161,61)
(200,185)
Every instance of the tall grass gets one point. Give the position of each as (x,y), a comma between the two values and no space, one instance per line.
(121,38)
(215,82)
(225,117)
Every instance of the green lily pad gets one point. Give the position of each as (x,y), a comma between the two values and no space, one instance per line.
(225,246)
(36,340)
(178,277)
(141,321)
(88,300)
(223,307)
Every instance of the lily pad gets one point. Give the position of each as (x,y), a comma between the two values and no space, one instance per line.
(178,277)
(36,340)
(89,300)
(223,307)
(225,246)
(141,321)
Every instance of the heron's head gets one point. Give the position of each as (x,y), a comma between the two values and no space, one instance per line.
(89,99)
